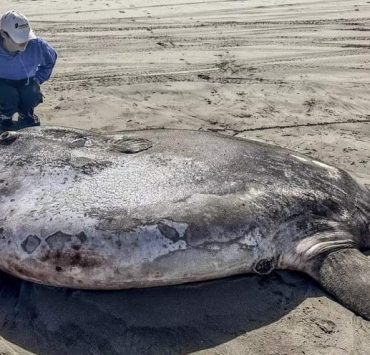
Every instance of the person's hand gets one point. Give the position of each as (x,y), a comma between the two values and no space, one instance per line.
(36,88)
(36,81)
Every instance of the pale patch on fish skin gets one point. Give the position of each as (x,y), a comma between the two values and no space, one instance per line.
(333,172)
(288,174)
(310,247)
(150,244)
(254,192)
(305,160)
(251,194)
(251,239)
(323,165)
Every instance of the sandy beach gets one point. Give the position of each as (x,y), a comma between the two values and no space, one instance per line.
(291,73)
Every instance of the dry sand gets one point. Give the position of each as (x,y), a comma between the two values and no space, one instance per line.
(293,73)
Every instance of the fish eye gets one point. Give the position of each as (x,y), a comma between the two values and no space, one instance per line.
(8,137)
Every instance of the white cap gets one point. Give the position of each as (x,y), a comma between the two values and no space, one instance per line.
(17,26)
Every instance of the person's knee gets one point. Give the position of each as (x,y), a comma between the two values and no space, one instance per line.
(9,99)
(30,96)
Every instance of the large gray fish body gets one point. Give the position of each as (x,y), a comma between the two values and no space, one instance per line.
(160,207)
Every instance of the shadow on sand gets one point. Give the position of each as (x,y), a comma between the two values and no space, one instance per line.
(165,320)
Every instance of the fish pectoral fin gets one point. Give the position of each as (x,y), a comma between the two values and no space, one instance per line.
(345,274)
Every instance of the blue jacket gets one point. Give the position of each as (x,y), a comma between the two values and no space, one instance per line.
(37,61)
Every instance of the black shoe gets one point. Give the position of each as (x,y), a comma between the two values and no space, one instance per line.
(29,119)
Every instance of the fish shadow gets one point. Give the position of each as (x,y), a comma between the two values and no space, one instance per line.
(164,320)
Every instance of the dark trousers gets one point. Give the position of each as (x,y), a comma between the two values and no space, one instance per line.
(19,96)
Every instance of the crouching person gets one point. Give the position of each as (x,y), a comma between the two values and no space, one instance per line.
(26,61)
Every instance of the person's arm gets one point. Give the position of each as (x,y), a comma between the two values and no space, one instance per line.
(49,57)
